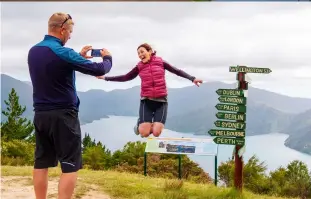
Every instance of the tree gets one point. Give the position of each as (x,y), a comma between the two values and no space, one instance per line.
(95,158)
(278,180)
(16,126)
(130,153)
(226,172)
(131,159)
(299,179)
(95,155)
(87,141)
(255,177)
(253,174)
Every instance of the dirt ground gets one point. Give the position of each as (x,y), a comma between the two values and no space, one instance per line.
(18,187)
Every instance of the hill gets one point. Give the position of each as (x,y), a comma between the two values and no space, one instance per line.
(261,119)
(113,185)
(191,109)
(96,104)
(299,130)
(24,90)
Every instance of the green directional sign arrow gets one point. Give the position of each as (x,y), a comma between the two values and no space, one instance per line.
(230,125)
(232,100)
(231,116)
(232,108)
(230,92)
(229,141)
(226,133)
(245,69)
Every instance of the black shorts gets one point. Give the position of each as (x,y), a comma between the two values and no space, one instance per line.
(58,138)
(152,111)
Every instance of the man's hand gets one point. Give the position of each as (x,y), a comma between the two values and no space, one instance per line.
(100,77)
(84,51)
(104,52)
(197,82)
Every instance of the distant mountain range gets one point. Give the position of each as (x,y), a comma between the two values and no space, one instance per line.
(192,109)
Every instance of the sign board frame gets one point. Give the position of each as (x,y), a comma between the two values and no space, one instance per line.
(158,145)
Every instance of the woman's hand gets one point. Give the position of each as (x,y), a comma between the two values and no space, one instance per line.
(197,82)
(100,77)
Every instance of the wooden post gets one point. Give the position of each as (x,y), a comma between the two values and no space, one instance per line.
(238,174)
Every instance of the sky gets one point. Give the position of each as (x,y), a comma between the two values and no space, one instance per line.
(203,39)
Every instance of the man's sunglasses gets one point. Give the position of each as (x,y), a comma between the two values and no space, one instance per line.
(69,17)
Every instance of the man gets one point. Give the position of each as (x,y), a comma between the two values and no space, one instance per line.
(57,128)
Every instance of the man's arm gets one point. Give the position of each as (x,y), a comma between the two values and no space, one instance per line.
(79,63)
(123,78)
(177,71)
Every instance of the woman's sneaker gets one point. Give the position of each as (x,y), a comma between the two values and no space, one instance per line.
(136,130)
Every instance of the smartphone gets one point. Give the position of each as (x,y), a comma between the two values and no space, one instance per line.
(96,53)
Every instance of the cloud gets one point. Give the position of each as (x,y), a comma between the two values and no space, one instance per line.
(99,10)
(204,39)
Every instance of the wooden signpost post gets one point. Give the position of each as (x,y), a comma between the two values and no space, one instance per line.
(232,118)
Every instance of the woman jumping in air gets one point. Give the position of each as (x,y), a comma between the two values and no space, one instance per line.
(153,103)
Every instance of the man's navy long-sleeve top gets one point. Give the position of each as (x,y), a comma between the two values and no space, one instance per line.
(52,70)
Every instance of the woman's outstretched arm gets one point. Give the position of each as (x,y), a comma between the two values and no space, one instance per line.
(177,71)
(123,78)
(181,73)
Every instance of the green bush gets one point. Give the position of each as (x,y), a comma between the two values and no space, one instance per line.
(292,181)
(131,159)
(17,153)
(96,158)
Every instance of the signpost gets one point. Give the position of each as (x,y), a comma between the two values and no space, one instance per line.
(230,92)
(233,100)
(232,118)
(230,125)
(229,141)
(245,69)
(232,108)
(227,133)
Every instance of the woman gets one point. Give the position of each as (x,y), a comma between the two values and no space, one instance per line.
(153,103)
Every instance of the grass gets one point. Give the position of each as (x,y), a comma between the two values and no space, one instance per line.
(133,186)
